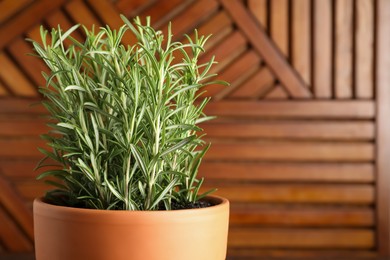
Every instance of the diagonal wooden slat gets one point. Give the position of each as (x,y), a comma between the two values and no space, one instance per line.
(191,17)
(236,73)
(256,86)
(34,14)
(227,51)
(129,7)
(11,236)
(10,7)
(110,16)
(31,65)
(161,12)
(14,79)
(261,43)
(3,90)
(277,92)
(12,202)
(81,13)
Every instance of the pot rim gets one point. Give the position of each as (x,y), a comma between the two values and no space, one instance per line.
(40,206)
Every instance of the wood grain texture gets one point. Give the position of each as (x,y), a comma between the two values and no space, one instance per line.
(11,236)
(343,194)
(12,77)
(20,23)
(301,216)
(235,74)
(291,151)
(239,253)
(130,7)
(10,7)
(312,130)
(279,29)
(256,86)
(297,109)
(229,49)
(15,207)
(343,49)
(322,60)
(302,238)
(277,92)
(23,147)
(301,40)
(164,11)
(267,50)
(288,172)
(383,127)
(31,65)
(80,13)
(219,26)
(259,10)
(191,17)
(364,52)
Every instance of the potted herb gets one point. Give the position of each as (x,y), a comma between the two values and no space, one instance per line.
(124,131)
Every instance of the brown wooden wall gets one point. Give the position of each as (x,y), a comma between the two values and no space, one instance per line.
(302,139)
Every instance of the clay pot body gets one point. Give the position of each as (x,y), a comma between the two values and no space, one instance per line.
(64,233)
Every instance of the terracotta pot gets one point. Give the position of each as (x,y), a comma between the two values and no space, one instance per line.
(64,233)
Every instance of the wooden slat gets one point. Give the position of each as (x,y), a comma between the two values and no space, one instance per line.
(32,66)
(187,20)
(292,151)
(259,9)
(279,29)
(383,126)
(3,90)
(298,193)
(261,43)
(10,7)
(278,92)
(364,59)
(322,62)
(24,20)
(301,35)
(130,7)
(11,236)
(12,127)
(35,34)
(80,13)
(299,216)
(343,49)
(288,172)
(256,86)
(236,73)
(59,18)
(14,106)
(302,238)
(219,26)
(14,79)
(227,51)
(11,201)
(296,109)
(29,190)
(20,147)
(20,169)
(323,130)
(110,16)
(161,12)
(240,253)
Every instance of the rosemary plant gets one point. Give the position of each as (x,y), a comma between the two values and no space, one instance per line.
(124,119)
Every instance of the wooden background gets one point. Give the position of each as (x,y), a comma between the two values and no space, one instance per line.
(302,139)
